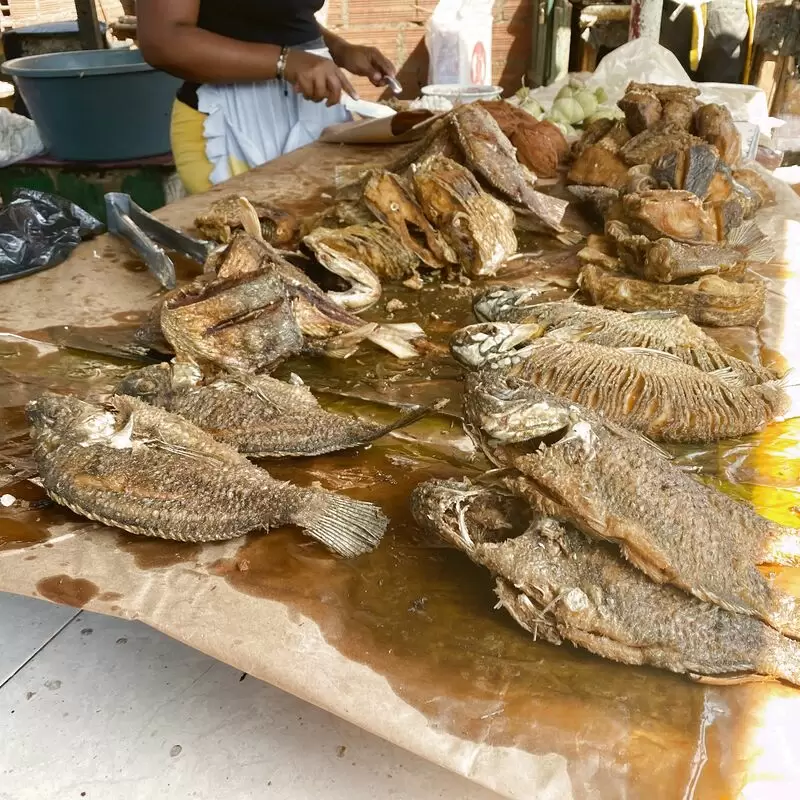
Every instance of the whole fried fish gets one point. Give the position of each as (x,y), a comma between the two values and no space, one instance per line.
(711,300)
(152,473)
(393,204)
(613,484)
(491,155)
(223,219)
(666,331)
(560,585)
(666,261)
(478,227)
(648,391)
(257,415)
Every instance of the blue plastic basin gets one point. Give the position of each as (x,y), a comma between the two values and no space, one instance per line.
(96,105)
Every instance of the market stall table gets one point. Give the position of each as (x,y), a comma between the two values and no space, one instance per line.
(403,642)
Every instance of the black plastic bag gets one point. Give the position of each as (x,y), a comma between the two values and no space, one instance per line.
(39,230)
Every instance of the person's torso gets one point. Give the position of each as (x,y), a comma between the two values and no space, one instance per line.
(268,21)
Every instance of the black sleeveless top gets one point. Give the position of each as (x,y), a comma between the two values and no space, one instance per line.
(288,23)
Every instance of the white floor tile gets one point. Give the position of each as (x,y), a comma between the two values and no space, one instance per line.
(25,625)
(114,710)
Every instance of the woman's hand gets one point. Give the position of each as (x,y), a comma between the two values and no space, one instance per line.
(368,62)
(316,78)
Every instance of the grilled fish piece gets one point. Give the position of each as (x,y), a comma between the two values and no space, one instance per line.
(679,113)
(152,473)
(607,133)
(478,227)
(666,260)
(692,169)
(711,300)
(649,391)
(366,251)
(715,124)
(490,155)
(642,109)
(394,205)
(752,180)
(666,93)
(650,145)
(652,330)
(559,584)
(245,323)
(597,200)
(342,214)
(613,484)
(440,140)
(599,166)
(670,213)
(257,415)
(223,219)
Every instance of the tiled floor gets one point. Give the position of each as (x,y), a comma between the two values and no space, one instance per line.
(96,707)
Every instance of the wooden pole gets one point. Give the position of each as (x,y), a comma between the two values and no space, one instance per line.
(88,27)
(645,19)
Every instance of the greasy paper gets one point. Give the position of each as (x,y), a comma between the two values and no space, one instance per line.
(404,642)
(405,126)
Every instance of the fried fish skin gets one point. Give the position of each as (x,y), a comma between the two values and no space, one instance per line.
(559,584)
(152,473)
(648,391)
(710,300)
(257,415)
(478,227)
(223,219)
(613,484)
(654,330)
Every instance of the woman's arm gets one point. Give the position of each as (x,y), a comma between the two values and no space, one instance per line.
(170,40)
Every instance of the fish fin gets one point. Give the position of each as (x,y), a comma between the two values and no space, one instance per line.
(180,450)
(751,242)
(649,351)
(729,376)
(345,344)
(410,417)
(655,314)
(732,679)
(347,527)
(248,216)
(408,330)
(396,342)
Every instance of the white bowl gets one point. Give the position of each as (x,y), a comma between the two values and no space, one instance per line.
(458,94)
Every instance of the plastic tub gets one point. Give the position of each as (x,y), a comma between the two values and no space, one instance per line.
(458,95)
(96,105)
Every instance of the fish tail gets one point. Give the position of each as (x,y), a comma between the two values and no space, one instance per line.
(345,526)
(751,242)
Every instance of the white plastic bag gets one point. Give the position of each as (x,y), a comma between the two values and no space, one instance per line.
(19,138)
(459,42)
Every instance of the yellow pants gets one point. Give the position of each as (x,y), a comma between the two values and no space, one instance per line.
(189,149)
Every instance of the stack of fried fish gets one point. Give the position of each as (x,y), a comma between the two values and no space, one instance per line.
(677,208)
(451,205)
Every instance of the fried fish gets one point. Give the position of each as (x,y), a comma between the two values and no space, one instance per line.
(613,484)
(666,331)
(152,473)
(257,415)
(558,584)
(711,300)
(223,219)
(649,391)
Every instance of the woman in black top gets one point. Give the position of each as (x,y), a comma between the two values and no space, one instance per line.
(248,67)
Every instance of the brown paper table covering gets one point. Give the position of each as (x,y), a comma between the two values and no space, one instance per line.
(403,642)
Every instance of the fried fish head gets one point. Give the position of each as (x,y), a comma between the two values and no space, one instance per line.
(493,345)
(505,303)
